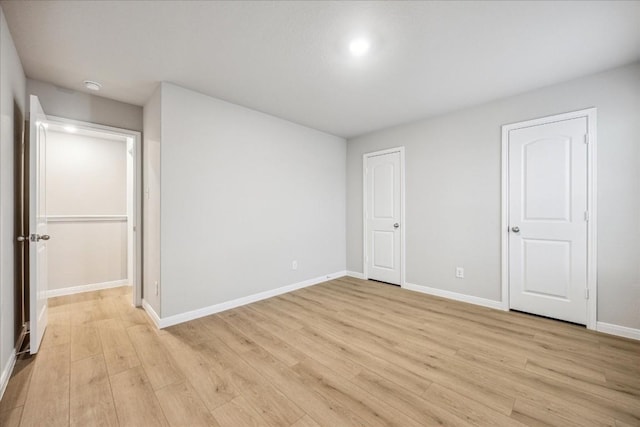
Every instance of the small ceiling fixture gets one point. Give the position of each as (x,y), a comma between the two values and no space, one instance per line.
(359,46)
(91,85)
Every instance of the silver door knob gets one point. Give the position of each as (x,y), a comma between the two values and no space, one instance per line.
(22,239)
(44,237)
(396,225)
(515,229)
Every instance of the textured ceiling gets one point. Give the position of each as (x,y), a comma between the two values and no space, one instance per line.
(291,59)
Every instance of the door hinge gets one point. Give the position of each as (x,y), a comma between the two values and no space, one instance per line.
(586,293)
(587,216)
(586,138)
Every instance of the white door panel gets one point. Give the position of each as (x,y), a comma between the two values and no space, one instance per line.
(547,180)
(383,214)
(547,205)
(383,249)
(37,225)
(383,194)
(546,267)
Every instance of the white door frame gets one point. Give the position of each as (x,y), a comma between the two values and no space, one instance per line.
(137,192)
(590,114)
(403,224)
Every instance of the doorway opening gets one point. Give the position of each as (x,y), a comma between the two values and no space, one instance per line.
(82,205)
(93,207)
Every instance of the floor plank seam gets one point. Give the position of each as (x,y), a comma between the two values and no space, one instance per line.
(346,351)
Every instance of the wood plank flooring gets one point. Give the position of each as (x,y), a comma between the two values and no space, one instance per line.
(343,353)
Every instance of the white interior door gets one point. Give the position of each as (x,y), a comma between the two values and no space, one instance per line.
(548,190)
(37,224)
(383,251)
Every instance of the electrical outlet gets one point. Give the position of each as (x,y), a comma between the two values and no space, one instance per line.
(294,264)
(460,272)
(157,288)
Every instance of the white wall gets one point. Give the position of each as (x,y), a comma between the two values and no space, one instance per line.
(12,90)
(151,200)
(453,190)
(86,175)
(243,194)
(71,104)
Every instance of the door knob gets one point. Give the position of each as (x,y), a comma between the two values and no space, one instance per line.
(44,237)
(396,225)
(515,229)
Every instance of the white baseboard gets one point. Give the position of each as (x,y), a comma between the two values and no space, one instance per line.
(152,313)
(607,328)
(355,274)
(455,296)
(6,373)
(163,322)
(85,288)
(621,331)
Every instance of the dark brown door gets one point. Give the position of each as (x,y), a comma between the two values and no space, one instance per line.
(21,169)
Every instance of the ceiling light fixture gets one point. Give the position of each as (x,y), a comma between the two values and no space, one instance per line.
(91,85)
(359,46)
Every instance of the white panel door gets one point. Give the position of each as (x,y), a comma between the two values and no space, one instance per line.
(37,225)
(548,219)
(383,204)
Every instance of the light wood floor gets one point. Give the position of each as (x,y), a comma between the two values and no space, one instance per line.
(346,352)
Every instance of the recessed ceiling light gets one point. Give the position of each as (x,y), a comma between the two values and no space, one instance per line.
(70,129)
(91,85)
(359,46)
